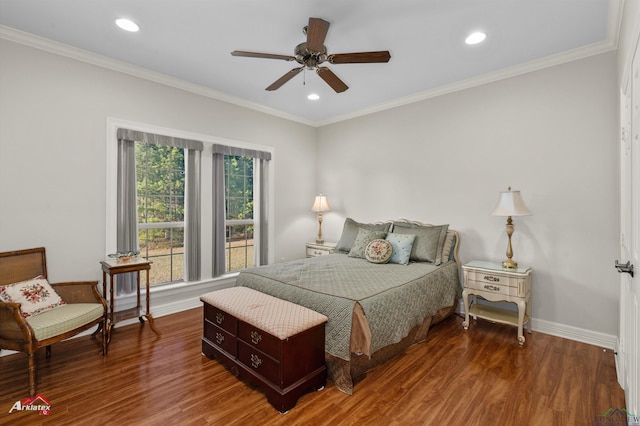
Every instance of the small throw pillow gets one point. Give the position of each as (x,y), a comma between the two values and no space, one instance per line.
(364,237)
(35,296)
(378,251)
(402,244)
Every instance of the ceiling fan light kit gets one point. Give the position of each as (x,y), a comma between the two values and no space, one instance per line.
(312,53)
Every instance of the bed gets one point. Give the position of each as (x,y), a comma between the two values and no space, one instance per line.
(378,304)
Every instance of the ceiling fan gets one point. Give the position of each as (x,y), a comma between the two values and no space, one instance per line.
(313,52)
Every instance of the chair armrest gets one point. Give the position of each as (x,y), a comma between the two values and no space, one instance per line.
(13,326)
(79,292)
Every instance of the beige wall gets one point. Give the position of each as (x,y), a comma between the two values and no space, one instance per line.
(550,133)
(53,118)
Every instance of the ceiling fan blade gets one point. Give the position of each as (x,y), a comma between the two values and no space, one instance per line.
(282,80)
(331,79)
(316,33)
(360,57)
(262,55)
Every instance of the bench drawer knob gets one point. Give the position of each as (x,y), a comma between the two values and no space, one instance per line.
(255,361)
(255,337)
(219,338)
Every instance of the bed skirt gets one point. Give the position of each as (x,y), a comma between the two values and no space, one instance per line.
(346,373)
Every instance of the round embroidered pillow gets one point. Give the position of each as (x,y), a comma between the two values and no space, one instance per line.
(378,251)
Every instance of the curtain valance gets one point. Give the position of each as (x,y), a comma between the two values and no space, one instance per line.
(152,138)
(241,152)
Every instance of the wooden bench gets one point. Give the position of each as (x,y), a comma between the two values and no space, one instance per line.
(273,343)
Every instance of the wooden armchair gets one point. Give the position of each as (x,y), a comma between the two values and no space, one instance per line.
(84,308)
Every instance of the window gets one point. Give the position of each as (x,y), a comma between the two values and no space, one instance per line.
(158,204)
(160,177)
(240,208)
(239,247)
(168,196)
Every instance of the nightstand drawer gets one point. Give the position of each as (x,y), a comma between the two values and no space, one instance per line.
(313,252)
(496,283)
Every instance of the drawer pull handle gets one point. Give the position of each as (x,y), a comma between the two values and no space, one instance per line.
(255,337)
(491,287)
(219,317)
(219,338)
(492,278)
(255,361)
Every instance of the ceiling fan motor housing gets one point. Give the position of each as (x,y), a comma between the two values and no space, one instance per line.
(308,58)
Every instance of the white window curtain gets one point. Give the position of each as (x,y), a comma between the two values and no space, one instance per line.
(262,159)
(127,216)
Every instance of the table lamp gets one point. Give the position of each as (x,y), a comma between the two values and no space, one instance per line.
(320,205)
(510,204)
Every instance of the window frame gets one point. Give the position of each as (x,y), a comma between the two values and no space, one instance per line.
(206,183)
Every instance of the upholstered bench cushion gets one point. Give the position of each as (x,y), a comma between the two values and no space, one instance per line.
(64,318)
(277,317)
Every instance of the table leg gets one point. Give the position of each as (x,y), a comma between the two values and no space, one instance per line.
(138,305)
(521,310)
(148,311)
(465,297)
(529,315)
(112,284)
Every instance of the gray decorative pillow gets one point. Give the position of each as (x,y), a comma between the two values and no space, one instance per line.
(378,251)
(364,237)
(429,241)
(350,232)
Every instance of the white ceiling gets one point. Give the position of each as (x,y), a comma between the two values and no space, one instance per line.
(191,40)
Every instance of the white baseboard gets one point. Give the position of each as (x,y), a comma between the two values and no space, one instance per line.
(172,299)
(590,337)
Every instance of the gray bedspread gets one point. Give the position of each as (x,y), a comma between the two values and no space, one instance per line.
(395,298)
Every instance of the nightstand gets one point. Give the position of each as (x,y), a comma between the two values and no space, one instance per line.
(316,249)
(494,283)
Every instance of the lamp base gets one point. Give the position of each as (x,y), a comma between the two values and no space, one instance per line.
(510,264)
(319,241)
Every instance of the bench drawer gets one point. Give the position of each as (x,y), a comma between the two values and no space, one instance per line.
(260,362)
(221,318)
(220,337)
(259,339)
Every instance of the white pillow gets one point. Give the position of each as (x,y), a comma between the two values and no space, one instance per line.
(35,296)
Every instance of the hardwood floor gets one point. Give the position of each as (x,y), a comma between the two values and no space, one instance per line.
(475,377)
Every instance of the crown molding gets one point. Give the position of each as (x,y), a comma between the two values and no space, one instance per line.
(71,52)
(513,71)
(65,50)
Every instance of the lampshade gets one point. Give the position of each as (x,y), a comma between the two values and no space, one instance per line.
(510,204)
(320,204)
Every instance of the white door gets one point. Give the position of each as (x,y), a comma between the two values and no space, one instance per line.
(627,360)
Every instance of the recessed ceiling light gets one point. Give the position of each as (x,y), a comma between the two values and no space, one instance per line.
(475,38)
(127,25)
(313,97)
